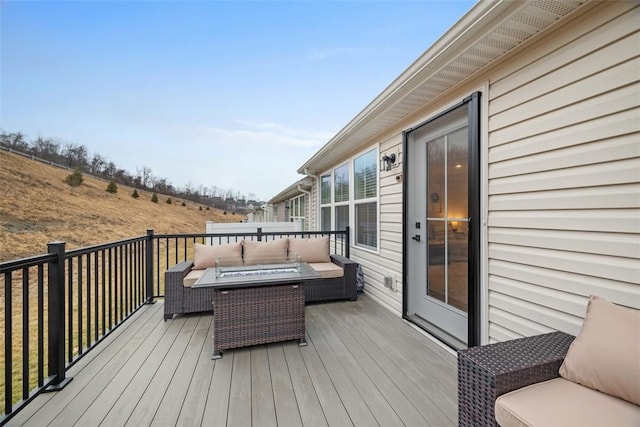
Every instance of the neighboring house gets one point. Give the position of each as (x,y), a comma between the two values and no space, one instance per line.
(259,213)
(495,184)
(290,205)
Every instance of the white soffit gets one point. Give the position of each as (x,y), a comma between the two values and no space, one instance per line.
(488,31)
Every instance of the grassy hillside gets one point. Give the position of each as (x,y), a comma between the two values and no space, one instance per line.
(37,207)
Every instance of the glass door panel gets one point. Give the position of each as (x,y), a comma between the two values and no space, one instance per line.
(447,209)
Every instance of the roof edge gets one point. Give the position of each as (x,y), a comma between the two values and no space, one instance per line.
(482,16)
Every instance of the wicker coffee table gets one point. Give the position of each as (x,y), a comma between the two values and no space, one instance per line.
(257,305)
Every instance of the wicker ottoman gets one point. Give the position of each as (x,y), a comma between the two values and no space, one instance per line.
(486,372)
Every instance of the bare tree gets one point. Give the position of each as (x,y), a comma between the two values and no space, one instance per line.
(145,176)
(47,148)
(98,164)
(14,141)
(110,169)
(75,155)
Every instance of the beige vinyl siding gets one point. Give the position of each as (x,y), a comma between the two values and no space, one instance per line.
(387,260)
(564,175)
(281,212)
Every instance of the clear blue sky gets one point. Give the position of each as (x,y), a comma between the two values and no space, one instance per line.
(232,94)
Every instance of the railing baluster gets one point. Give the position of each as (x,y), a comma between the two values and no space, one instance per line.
(40,325)
(104,289)
(79,276)
(25,333)
(110,305)
(129,262)
(8,343)
(96,300)
(70,310)
(120,288)
(88,300)
(115,285)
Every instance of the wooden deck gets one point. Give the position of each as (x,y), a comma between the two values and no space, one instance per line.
(363,366)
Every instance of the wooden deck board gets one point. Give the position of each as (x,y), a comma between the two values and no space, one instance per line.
(107,356)
(195,400)
(396,388)
(262,404)
(283,396)
(217,408)
(377,404)
(240,395)
(305,394)
(131,393)
(353,402)
(363,366)
(419,385)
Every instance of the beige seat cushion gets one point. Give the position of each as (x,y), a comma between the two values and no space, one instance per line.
(272,252)
(327,270)
(563,403)
(192,277)
(204,256)
(310,250)
(605,355)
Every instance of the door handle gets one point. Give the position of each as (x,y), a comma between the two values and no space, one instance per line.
(416,237)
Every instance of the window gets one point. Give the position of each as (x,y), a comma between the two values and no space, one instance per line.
(365,180)
(325,219)
(325,202)
(342,217)
(341,187)
(367,224)
(296,209)
(343,203)
(325,189)
(365,175)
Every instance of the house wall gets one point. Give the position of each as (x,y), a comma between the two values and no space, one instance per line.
(564,175)
(387,261)
(281,212)
(561,177)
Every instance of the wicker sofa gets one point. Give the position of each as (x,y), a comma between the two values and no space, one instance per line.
(337,273)
(556,379)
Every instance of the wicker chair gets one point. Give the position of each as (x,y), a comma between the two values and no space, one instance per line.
(489,371)
(179,299)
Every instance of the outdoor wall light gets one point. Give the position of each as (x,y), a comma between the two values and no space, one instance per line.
(386,161)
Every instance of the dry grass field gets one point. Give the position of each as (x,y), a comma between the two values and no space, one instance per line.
(38,207)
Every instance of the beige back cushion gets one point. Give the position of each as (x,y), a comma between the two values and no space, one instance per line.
(605,355)
(204,256)
(310,250)
(272,252)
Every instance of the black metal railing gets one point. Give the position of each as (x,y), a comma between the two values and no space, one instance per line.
(59,305)
(56,307)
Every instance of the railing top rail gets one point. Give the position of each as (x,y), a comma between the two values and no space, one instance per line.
(17,264)
(91,249)
(249,234)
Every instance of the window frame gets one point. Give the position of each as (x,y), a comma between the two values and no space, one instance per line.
(297,209)
(367,200)
(330,206)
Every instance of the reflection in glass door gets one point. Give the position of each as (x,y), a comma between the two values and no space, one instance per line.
(447,218)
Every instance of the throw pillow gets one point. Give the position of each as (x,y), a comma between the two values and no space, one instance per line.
(605,355)
(204,256)
(310,250)
(273,252)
